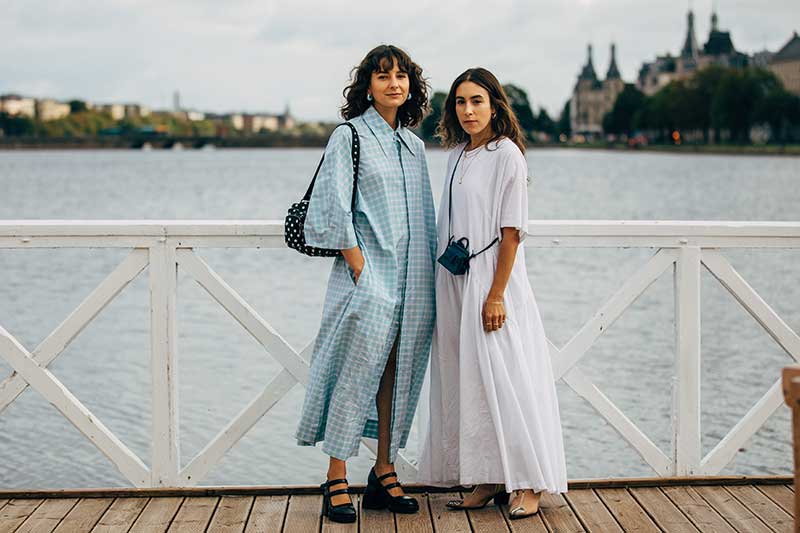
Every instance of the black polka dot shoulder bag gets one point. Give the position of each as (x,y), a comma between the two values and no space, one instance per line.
(296,218)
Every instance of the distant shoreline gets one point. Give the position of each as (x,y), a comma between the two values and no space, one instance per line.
(8,144)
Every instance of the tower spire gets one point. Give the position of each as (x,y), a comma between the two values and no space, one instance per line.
(714,17)
(613,71)
(690,48)
(588,72)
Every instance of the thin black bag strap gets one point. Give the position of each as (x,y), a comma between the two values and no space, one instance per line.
(450,201)
(490,245)
(356,156)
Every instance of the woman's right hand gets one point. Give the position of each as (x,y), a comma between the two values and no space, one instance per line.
(355,260)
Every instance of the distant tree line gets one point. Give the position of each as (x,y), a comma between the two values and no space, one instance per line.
(532,123)
(717,104)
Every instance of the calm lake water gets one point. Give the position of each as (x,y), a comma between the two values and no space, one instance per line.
(221,368)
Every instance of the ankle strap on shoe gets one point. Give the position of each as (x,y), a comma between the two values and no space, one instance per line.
(336,482)
(390,474)
(337,492)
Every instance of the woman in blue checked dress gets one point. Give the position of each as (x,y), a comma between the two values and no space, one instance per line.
(372,349)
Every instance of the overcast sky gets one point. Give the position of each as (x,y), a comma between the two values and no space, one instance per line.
(234,55)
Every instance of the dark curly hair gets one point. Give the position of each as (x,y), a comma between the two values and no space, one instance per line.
(382,59)
(504,122)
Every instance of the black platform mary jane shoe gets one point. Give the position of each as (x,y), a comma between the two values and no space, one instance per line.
(345,512)
(376,495)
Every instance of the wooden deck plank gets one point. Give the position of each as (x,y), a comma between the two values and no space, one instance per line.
(420,522)
(661,509)
(267,514)
(16,512)
(303,514)
(557,514)
(702,515)
(626,510)
(490,518)
(530,524)
(591,511)
(3,503)
(780,495)
(760,505)
(732,510)
(194,514)
(47,516)
(122,513)
(83,517)
(157,515)
(445,519)
(379,521)
(231,514)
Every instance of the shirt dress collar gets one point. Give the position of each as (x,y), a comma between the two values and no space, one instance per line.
(384,133)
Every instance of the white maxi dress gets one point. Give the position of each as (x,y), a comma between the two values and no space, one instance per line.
(493,408)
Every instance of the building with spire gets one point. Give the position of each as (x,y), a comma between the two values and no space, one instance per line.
(718,50)
(592,98)
(786,64)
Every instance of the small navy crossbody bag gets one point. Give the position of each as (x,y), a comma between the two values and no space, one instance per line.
(456,256)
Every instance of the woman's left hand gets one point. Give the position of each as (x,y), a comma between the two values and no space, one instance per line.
(494,314)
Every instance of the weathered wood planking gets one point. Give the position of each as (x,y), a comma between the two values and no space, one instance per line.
(157,515)
(194,515)
(626,510)
(732,510)
(591,511)
(231,514)
(84,516)
(47,516)
(415,523)
(557,514)
(760,505)
(121,515)
(267,514)
(15,513)
(303,513)
(445,519)
(702,515)
(661,509)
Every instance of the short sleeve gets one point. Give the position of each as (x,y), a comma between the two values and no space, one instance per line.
(329,221)
(514,194)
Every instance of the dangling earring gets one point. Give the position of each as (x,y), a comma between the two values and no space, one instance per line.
(369,97)
(409,97)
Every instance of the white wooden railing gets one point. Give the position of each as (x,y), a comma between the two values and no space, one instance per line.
(165,246)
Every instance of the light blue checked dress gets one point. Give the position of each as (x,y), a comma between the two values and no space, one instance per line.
(394,225)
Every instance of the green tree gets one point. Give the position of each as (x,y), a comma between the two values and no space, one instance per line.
(15,126)
(77,106)
(564,124)
(430,122)
(544,123)
(521,107)
(620,119)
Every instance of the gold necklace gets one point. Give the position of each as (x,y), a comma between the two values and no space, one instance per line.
(468,159)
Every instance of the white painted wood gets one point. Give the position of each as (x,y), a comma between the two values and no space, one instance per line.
(654,457)
(633,287)
(773,324)
(202,464)
(244,314)
(46,384)
(686,426)
(76,322)
(729,446)
(164,366)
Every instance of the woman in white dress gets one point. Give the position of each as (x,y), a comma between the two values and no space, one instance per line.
(494,420)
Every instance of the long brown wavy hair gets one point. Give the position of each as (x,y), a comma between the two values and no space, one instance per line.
(503,124)
(382,59)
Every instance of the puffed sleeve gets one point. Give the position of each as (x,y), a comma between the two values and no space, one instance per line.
(514,194)
(329,221)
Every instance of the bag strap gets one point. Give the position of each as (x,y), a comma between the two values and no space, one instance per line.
(450,209)
(356,156)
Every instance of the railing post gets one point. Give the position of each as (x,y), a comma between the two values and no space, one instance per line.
(164,365)
(686,449)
